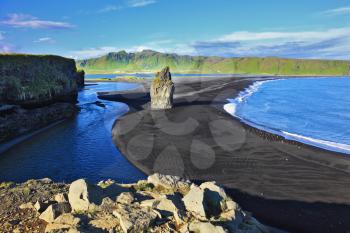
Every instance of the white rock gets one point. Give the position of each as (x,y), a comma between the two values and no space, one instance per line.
(61,197)
(63,222)
(28,205)
(134,218)
(194,202)
(125,198)
(40,206)
(169,206)
(210,201)
(55,210)
(46,180)
(169,182)
(215,188)
(205,227)
(67,219)
(106,222)
(82,194)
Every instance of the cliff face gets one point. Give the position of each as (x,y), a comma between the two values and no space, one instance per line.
(36,91)
(33,80)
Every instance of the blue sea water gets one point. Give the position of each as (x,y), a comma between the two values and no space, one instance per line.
(315,111)
(77,148)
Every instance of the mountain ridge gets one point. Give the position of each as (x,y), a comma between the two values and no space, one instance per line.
(152,61)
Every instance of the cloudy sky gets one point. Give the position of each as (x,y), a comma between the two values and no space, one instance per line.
(230,28)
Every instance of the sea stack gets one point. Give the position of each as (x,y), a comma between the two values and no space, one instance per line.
(162,90)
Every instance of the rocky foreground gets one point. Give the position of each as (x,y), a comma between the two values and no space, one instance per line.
(158,204)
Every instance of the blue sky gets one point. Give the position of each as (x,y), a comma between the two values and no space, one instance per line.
(231,28)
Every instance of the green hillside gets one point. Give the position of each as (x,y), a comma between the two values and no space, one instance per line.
(151,61)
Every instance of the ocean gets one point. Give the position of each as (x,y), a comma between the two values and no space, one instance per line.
(314,111)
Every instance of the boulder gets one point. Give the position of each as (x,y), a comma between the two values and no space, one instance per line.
(214,198)
(28,205)
(105,222)
(63,222)
(165,207)
(174,183)
(61,197)
(40,206)
(194,202)
(133,218)
(107,205)
(125,198)
(205,227)
(232,212)
(68,219)
(55,210)
(162,90)
(215,188)
(46,180)
(56,228)
(172,207)
(210,201)
(82,194)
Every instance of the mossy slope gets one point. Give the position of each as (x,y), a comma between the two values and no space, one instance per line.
(151,61)
(37,79)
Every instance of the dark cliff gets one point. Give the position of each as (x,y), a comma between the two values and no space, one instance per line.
(35,80)
(36,91)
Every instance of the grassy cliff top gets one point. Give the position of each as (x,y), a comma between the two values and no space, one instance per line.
(152,61)
(26,79)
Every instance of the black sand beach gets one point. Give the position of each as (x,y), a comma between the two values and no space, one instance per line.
(285,184)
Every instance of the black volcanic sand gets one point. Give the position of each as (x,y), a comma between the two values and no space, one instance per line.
(285,184)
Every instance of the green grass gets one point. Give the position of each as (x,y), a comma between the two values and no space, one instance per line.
(151,61)
(6,185)
(144,186)
(35,77)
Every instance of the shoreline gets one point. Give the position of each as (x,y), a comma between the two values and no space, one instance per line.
(269,168)
(231,106)
(13,142)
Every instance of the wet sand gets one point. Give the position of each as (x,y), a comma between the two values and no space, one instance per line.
(285,184)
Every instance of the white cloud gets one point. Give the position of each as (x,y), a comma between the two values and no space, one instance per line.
(326,44)
(92,52)
(244,36)
(45,40)
(6,48)
(28,21)
(140,3)
(109,9)
(99,51)
(337,11)
(332,43)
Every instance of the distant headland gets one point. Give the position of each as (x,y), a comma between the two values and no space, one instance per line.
(151,61)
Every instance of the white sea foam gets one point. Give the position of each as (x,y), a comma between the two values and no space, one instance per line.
(242,96)
(328,145)
(233,104)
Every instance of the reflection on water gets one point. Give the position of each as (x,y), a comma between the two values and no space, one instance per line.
(76,148)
